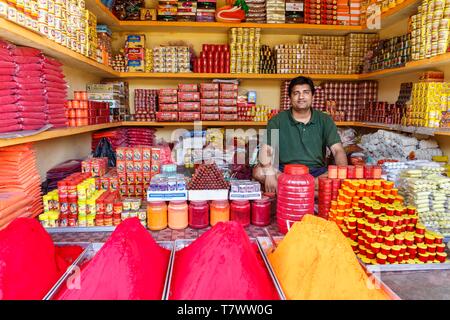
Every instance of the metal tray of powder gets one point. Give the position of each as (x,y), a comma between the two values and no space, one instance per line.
(86,246)
(266,246)
(87,255)
(183,243)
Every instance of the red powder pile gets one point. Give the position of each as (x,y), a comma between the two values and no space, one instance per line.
(129,266)
(29,262)
(222,264)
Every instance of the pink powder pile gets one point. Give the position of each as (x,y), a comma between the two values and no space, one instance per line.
(129,266)
(29,262)
(222,264)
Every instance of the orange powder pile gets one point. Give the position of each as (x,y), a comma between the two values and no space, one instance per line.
(315,261)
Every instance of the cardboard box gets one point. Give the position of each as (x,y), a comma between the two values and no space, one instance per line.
(153,196)
(221,194)
(136,65)
(136,41)
(135,53)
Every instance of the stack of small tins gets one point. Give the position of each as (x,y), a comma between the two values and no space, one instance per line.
(285,102)
(321,12)
(81,112)
(245,44)
(319,99)
(268,61)
(430,30)
(356,47)
(329,186)
(145,103)
(381,229)
(214,58)
(391,53)
(383,112)
(351,98)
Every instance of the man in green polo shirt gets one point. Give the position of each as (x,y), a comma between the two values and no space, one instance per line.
(303,135)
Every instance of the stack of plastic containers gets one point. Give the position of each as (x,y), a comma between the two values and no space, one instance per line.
(295,195)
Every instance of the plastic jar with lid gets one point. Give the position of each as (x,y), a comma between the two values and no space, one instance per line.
(219,211)
(261,210)
(273,202)
(157,215)
(295,195)
(240,212)
(178,215)
(198,214)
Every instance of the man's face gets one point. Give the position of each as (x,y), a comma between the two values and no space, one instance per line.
(301,97)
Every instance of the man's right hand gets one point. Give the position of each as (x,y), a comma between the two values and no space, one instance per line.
(271,183)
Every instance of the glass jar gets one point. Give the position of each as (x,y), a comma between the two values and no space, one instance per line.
(240,212)
(178,215)
(157,215)
(219,211)
(198,214)
(261,210)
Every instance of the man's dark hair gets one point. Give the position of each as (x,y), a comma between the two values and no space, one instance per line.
(301,80)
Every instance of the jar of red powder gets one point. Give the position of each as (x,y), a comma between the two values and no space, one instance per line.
(273,202)
(198,214)
(261,212)
(178,216)
(240,212)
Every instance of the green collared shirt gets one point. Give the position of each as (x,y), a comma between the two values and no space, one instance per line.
(303,143)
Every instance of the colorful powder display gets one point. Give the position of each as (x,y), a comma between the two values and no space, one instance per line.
(315,261)
(221,264)
(129,266)
(29,262)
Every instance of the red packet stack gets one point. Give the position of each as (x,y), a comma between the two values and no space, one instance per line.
(18,172)
(30,89)
(55,91)
(140,136)
(13,205)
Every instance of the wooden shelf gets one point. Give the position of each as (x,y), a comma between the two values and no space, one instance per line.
(253,76)
(22,36)
(404,10)
(220,27)
(412,66)
(103,14)
(71,131)
(56,133)
(191,124)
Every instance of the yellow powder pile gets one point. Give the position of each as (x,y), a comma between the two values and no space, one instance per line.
(315,261)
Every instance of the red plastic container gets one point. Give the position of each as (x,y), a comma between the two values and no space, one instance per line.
(240,212)
(198,214)
(295,195)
